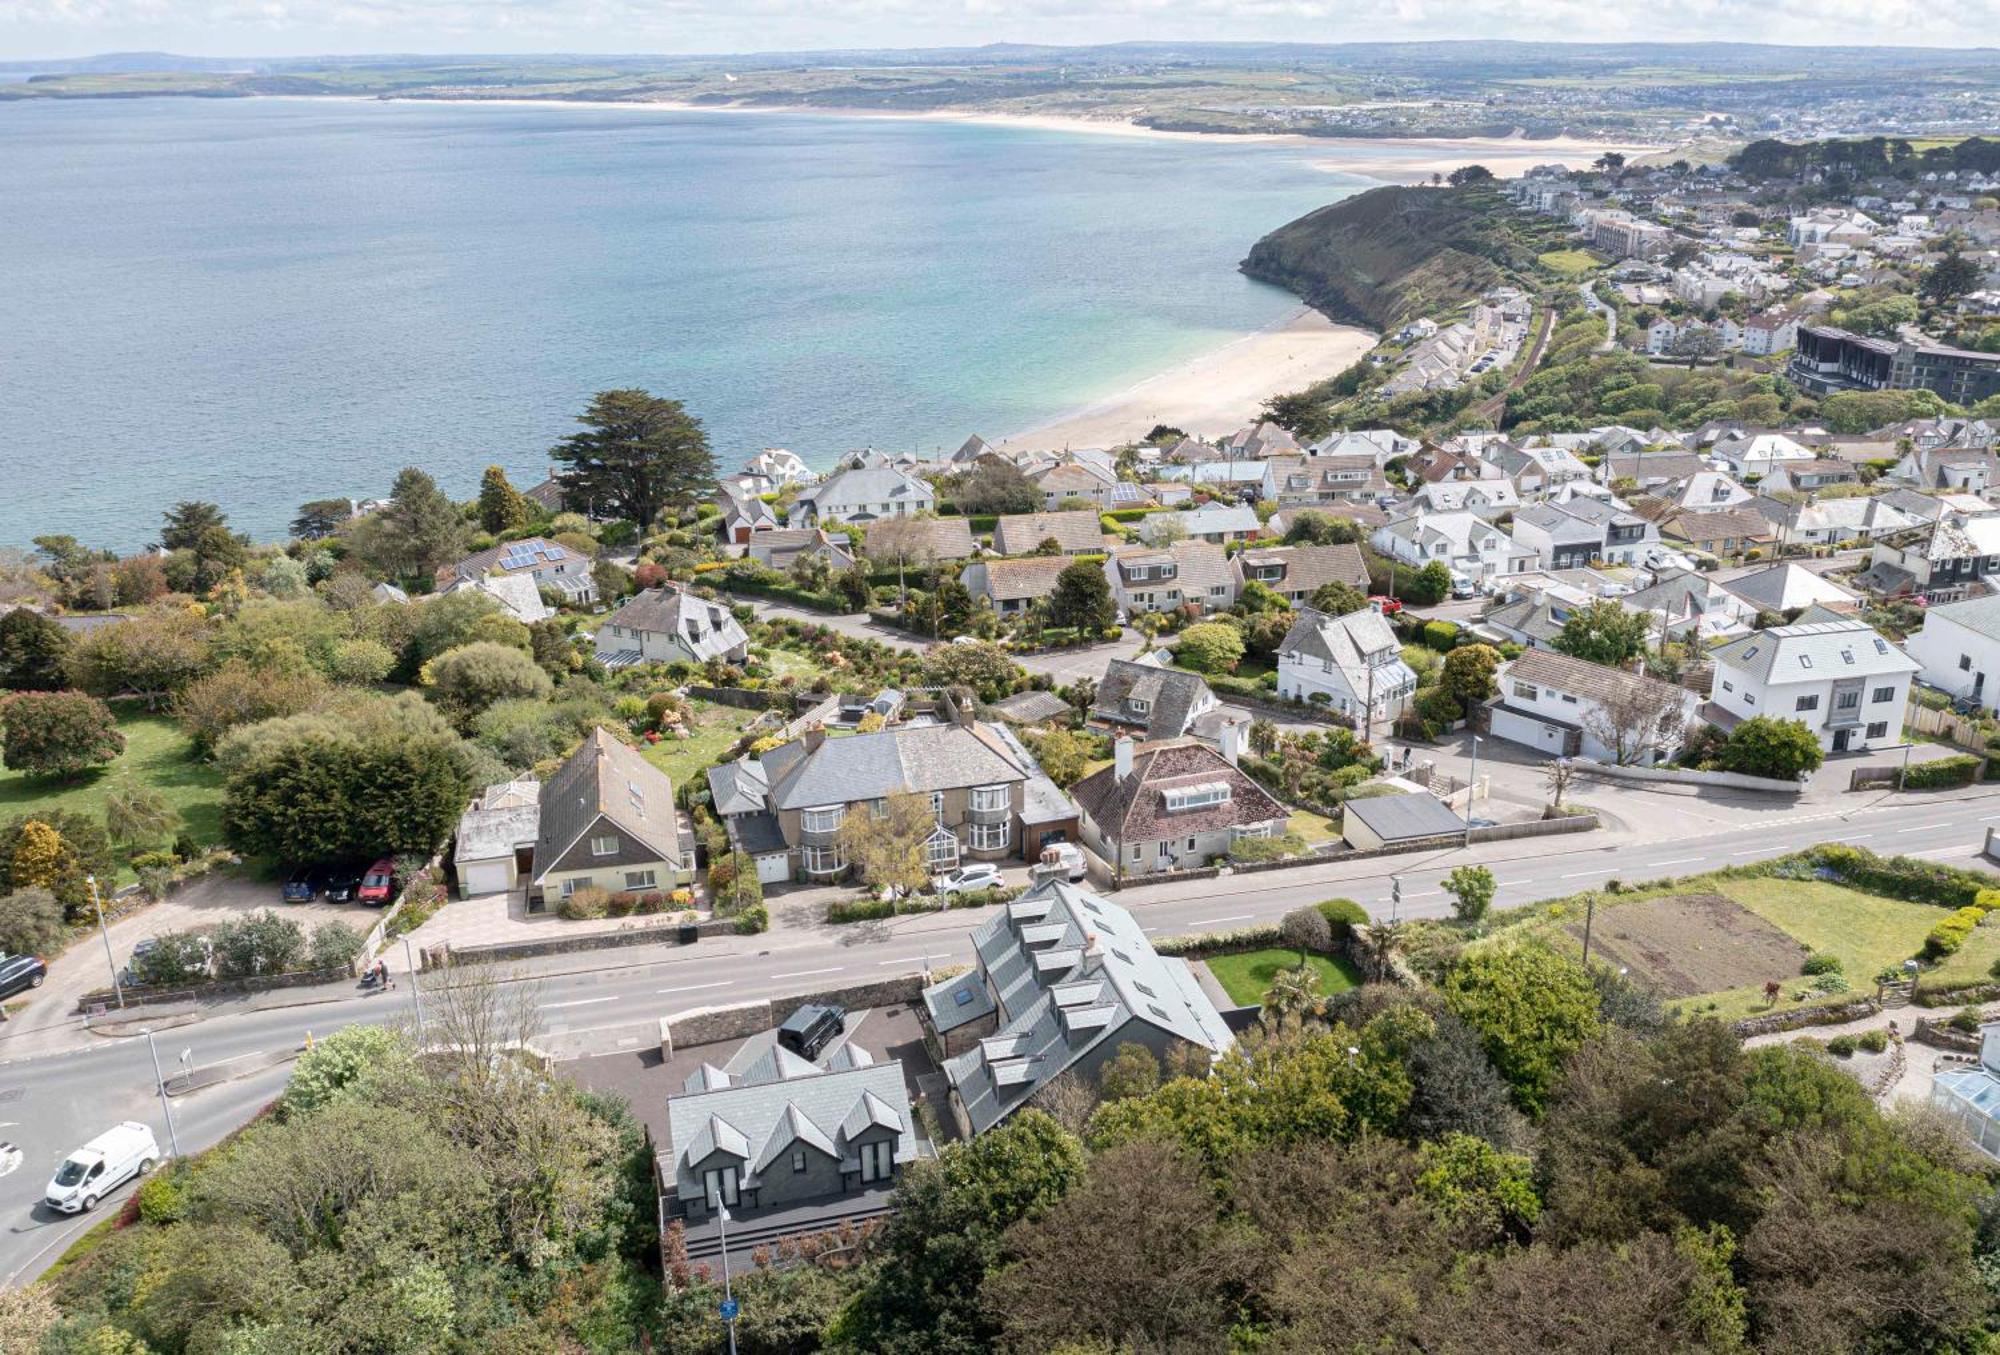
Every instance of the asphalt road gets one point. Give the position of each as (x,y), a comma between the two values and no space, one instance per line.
(51,1104)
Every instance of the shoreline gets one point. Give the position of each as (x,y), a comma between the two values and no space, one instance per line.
(1407,159)
(1212,394)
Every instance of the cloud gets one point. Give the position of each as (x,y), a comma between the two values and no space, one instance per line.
(290,27)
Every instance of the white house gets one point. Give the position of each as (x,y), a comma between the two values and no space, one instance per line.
(1465,542)
(862,494)
(1350,664)
(1566,707)
(1959,649)
(1758,454)
(1839,678)
(1580,529)
(668,625)
(1487,498)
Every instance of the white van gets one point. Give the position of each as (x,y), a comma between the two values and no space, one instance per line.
(101,1166)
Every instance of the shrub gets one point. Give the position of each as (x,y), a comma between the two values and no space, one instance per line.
(1966,1019)
(1440,635)
(334,945)
(585,905)
(1949,771)
(31,922)
(1874,1041)
(1829,983)
(868,908)
(1948,935)
(263,943)
(1254,849)
(1841,1046)
(1821,963)
(164,1198)
(753,920)
(1343,915)
(1898,877)
(176,957)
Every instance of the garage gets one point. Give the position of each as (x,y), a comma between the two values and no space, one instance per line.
(1532,732)
(492,876)
(774,868)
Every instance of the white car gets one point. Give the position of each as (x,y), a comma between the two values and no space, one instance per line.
(101,1166)
(966,879)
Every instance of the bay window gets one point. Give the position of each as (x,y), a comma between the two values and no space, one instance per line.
(991,837)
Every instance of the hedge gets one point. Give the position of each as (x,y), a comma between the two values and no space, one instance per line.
(1947,936)
(1200,945)
(1441,635)
(1949,771)
(1897,877)
(1344,915)
(872,907)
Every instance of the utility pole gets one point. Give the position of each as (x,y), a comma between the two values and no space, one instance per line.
(416,1003)
(98,903)
(1471,789)
(729,1308)
(1589,917)
(160,1081)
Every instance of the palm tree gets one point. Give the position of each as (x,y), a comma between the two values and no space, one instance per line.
(1293,992)
(1263,736)
(1379,945)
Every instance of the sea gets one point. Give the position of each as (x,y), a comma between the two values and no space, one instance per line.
(265,301)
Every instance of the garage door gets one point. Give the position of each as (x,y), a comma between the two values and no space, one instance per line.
(774,869)
(1526,730)
(485,877)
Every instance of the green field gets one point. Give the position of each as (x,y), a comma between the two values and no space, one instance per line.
(156,754)
(1247,977)
(1569,263)
(715,729)
(1313,827)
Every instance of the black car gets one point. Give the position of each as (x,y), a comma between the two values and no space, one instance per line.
(811,1028)
(302,885)
(18,972)
(343,883)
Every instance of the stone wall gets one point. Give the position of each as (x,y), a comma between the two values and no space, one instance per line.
(658,933)
(1942,1036)
(1685,776)
(740,1020)
(138,996)
(1799,1018)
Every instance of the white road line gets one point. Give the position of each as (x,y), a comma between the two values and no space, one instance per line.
(695,987)
(1677,861)
(1754,851)
(1211,921)
(579,1002)
(1857,837)
(1427,894)
(1579,874)
(907,959)
(1940,851)
(806,973)
(1917,829)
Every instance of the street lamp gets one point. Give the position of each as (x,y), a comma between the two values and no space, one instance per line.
(160,1081)
(98,904)
(1471,788)
(729,1308)
(416,1003)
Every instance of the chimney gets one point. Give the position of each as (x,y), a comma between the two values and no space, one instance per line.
(815,735)
(1121,759)
(1232,742)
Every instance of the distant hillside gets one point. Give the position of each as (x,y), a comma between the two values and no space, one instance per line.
(1387,256)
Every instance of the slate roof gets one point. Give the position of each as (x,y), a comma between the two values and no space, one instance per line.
(1170,693)
(1590,681)
(1213,519)
(1135,809)
(543,552)
(1308,568)
(1785,586)
(1814,652)
(1405,818)
(1201,565)
(1978,615)
(1033,576)
(892,761)
(1653,467)
(1077,532)
(604,777)
(1082,983)
(1525,616)
(944,538)
(1346,640)
(664,610)
(866,485)
(1031,707)
(737,787)
(1725,524)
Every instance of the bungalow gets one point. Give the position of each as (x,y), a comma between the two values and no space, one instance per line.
(1216,523)
(670,625)
(862,494)
(1757,454)
(608,821)
(1563,707)
(516,594)
(1184,574)
(550,564)
(1078,532)
(782,549)
(1172,806)
(1352,665)
(1298,481)
(1726,531)
(1151,700)
(1788,588)
(1012,586)
(1487,498)
(1074,480)
(923,539)
(1295,573)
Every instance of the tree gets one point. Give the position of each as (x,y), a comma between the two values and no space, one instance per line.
(29,858)
(40,858)
(1532,1009)
(466,680)
(138,816)
(1311,527)
(207,561)
(637,455)
(1307,931)
(1467,176)
(332,1065)
(1064,756)
(1632,719)
(1339,599)
(888,848)
(150,655)
(1210,647)
(318,519)
(1479,1192)
(983,667)
(283,577)
(1950,278)
(186,522)
(1558,773)
(1432,583)
(31,922)
(1468,674)
(1609,163)
(33,650)
(1301,413)
(501,506)
(59,733)
(238,694)
(417,532)
(329,791)
(996,486)
(262,943)
(1263,737)
(1605,632)
(1132,1071)
(1082,599)
(1766,745)
(1081,695)
(1471,890)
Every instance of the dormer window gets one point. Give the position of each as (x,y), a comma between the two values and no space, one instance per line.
(1199,796)
(1138,705)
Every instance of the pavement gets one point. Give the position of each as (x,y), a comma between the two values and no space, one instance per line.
(59,1087)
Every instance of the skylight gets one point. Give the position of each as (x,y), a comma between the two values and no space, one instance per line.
(1805,660)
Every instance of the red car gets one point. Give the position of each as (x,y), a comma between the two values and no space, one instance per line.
(378,886)
(1386,606)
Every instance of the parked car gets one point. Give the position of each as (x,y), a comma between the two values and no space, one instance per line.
(966,879)
(18,972)
(1066,857)
(1463,587)
(101,1166)
(378,884)
(811,1028)
(343,883)
(302,885)
(137,973)
(1386,605)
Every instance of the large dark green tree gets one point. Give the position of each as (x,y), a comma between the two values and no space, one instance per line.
(1606,633)
(320,518)
(59,733)
(1950,278)
(637,454)
(323,796)
(418,530)
(32,652)
(1082,598)
(187,520)
(501,506)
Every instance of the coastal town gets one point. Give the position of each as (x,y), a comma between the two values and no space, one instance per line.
(1492,848)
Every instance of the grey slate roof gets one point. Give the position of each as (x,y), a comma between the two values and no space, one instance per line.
(890,762)
(1170,693)
(1405,818)
(1031,707)
(1135,809)
(1786,585)
(1979,615)
(1077,532)
(1580,677)
(1308,568)
(1814,652)
(737,787)
(1081,984)
(604,777)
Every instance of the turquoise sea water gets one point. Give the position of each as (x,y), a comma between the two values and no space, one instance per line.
(265,301)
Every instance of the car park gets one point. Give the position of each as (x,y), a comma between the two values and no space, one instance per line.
(378,884)
(302,885)
(19,973)
(811,1028)
(343,883)
(966,879)
(101,1166)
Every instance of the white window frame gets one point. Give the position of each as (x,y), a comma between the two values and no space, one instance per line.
(808,817)
(642,879)
(941,851)
(570,887)
(720,1182)
(992,837)
(985,799)
(598,847)
(878,1161)
(1527,691)
(814,856)
(798,1159)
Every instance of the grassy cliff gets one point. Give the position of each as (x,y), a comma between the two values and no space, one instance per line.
(1387,256)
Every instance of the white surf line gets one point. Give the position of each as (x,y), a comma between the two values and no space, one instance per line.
(579,1002)
(1211,921)
(805,973)
(695,987)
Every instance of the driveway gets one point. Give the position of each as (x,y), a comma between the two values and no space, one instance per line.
(200,906)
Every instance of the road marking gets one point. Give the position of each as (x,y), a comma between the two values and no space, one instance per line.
(579,1002)
(1211,921)
(1917,829)
(1940,851)
(695,987)
(907,959)
(806,973)
(1753,851)
(1677,861)
(1578,875)
(1857,837)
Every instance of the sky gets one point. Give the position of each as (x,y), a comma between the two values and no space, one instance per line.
(62,28)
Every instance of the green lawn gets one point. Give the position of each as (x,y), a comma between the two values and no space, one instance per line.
(1569,263)
(1246,977)
(156,754)
(1313,827)
(715,729)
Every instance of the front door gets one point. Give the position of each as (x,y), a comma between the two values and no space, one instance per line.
(1978,685)
(1840,738)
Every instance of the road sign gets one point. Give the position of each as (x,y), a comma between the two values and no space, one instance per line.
(729,1309)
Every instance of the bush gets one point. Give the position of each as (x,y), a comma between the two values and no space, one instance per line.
(1841,1045)
(263,943)
(1440,635)
(334,946)
(1967,1018)
(869,908)
(164,1198)
(1256,849)
(1949,771)
(1898,877)
(1344,915)
(1821,963)
(1874,1041)
(585,905)
(751,921)
(176,957)
(31,922)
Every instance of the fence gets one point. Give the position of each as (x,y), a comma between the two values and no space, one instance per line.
(378,935)
(1966,733)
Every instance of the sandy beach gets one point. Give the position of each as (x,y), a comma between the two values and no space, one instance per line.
(1216,393)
